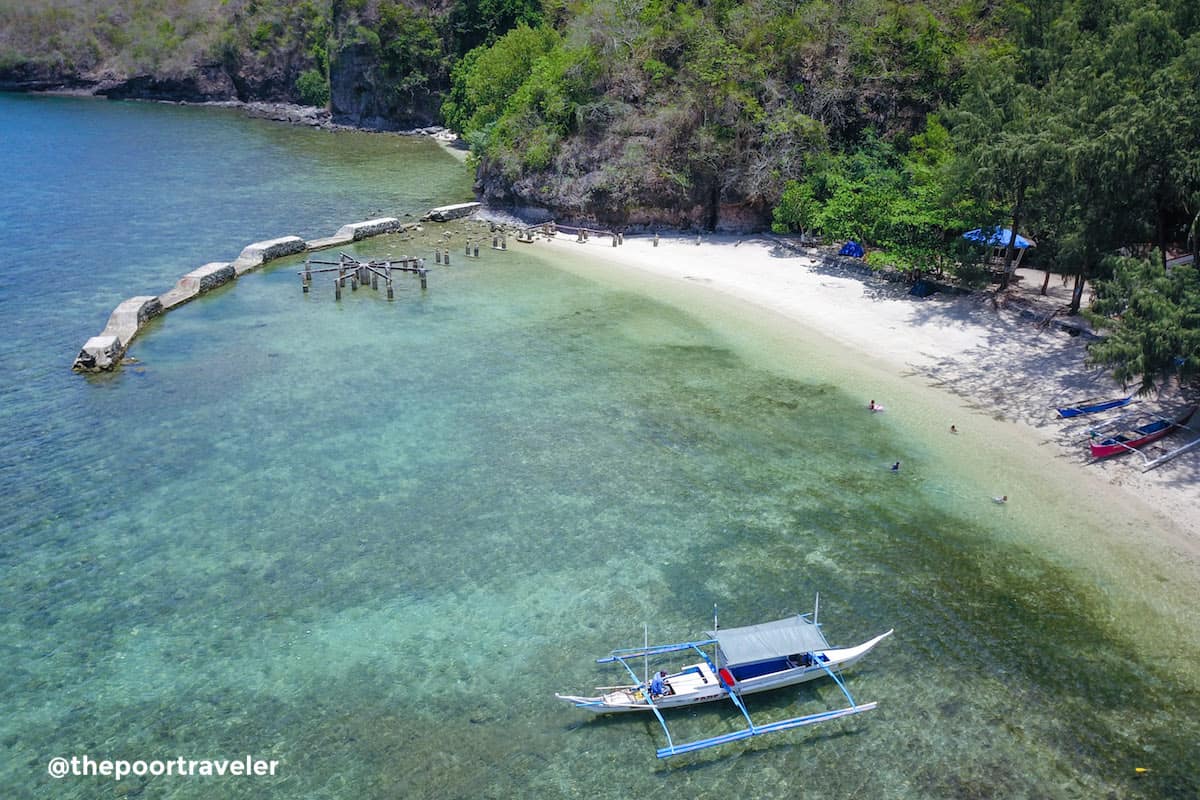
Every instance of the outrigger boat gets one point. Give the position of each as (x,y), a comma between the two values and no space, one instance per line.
(1093,406)
(745,660)
(1152,429)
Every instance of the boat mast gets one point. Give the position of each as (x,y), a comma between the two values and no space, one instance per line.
(816,607)
(646,653)
(716,648)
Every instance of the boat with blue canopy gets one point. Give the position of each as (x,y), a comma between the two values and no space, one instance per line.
(745,660)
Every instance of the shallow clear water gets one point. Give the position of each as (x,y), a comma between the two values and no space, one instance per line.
(372,539)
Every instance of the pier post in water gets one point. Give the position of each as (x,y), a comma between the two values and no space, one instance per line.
(337,290)
(391,294)
(437,256)
(445,260)
(477,251)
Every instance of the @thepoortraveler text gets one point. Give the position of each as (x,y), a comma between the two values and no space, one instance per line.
(81,766)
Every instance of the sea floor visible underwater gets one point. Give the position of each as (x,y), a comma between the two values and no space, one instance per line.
(371,540)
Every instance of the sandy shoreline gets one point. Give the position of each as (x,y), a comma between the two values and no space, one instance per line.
(989,359)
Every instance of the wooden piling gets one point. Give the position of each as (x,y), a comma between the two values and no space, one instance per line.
(391,294)
(422,273)
(477,251)
(337,290)
(437,256)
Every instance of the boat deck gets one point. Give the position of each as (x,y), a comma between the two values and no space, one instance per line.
(697,676)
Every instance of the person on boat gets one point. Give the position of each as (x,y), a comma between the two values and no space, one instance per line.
(1000,500)
(953,429)
(658,684)
(871,405)
(896,467)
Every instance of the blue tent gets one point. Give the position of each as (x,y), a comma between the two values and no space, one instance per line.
(997,237)
(853,249)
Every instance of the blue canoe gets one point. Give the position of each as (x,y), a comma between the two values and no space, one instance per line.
(1092,406)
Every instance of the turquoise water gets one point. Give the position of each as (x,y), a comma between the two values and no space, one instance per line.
(370,540)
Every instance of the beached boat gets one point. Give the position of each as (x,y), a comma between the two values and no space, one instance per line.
(1093,406)
(1150,428)
(745,660)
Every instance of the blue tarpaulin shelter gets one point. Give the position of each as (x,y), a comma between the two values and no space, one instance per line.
(852,249)
(997,237)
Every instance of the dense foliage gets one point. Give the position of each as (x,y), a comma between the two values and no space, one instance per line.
(1155,321)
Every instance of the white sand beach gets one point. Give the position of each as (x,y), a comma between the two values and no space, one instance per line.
(991,359)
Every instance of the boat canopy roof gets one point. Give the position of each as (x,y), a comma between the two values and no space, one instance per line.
(769,640)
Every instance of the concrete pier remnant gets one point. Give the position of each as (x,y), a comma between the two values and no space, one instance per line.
(103,352)
(353,231)
(197,282)
(257,254)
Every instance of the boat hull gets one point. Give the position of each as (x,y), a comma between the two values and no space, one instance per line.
(1152,432)
(696,683)
(1092,408)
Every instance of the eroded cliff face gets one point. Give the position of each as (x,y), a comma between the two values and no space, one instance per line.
(581,190)
(362,96)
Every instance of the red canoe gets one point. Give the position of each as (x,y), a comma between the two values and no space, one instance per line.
(1150,430)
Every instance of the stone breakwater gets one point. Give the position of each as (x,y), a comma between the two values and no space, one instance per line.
(105,351)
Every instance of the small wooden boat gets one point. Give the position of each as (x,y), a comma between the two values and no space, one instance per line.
(1093,406)
(1151,428)
(745,660)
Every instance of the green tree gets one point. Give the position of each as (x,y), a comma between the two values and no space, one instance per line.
(1154,318)
(313,87)
(480,22)
(1004,146)
(484,80)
